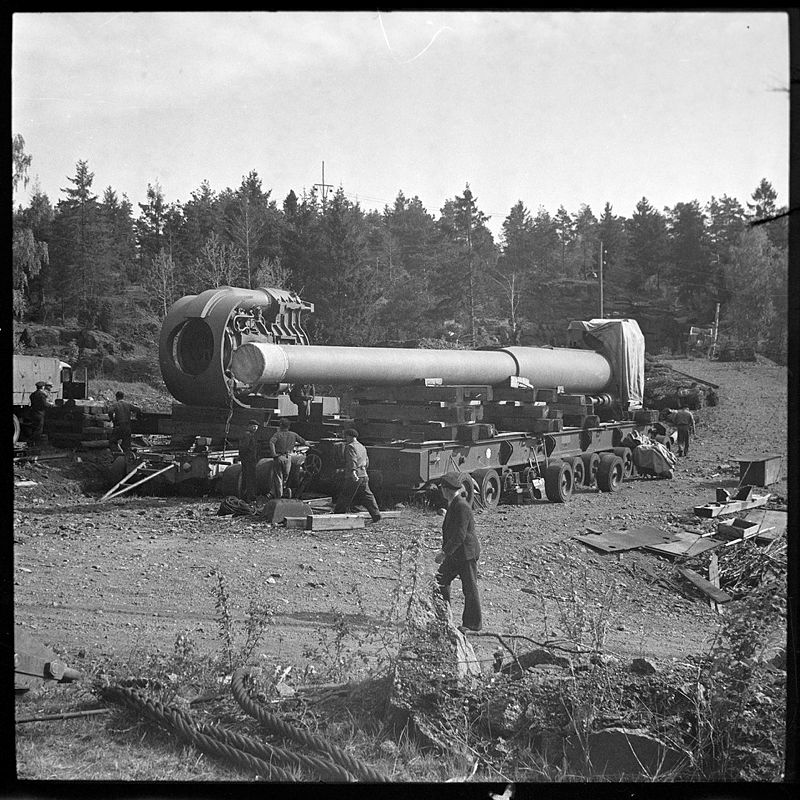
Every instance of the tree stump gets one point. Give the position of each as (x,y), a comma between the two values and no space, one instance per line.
(434,666)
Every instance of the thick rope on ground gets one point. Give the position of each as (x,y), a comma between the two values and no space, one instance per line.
(287,731)
(244,750)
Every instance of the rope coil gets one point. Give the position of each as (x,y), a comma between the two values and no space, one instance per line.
(243,750)
(276,725)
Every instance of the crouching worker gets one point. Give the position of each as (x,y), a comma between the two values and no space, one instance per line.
(355,489)
(460,551)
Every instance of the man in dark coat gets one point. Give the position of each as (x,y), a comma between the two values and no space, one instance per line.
(248,456)
(302,395)
(121,412)
(460,551)
(281,446)
(40,400)
(355,488)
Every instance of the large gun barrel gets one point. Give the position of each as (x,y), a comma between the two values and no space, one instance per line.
(581,371)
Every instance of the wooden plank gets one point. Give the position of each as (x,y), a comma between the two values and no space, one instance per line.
(773,524)
(731,507)
(686,544)
(298,523)
(713,579)
(708,588)
(615,541)
(384,514)
(333,522)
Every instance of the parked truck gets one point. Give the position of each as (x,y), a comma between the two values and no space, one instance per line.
(28,371)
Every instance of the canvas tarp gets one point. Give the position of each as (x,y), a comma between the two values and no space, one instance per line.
(622,343)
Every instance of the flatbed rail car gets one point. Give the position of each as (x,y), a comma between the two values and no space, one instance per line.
(513,466)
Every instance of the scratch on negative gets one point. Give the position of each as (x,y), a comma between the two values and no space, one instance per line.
(421,52)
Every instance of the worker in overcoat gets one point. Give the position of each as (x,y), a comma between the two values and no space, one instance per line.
(460,551)
(248,456)
(40,401)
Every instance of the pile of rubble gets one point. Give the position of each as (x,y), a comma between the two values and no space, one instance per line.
(665,387)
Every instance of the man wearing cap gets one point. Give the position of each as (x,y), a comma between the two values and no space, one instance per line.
(460,551)
(120,413)
(281,446)
(40,400)
(248,457)
(355,489)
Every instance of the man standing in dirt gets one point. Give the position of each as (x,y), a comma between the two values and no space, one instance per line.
(121,412)
(281,446)
(40,400)
(355,489)
(460,552)
(683,419)
(248,456)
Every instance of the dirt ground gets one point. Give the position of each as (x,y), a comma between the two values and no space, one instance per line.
(121,579)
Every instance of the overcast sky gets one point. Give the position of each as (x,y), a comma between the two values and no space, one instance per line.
(548,108)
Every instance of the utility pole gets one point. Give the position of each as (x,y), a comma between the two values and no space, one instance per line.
(324,186)
(602,259)
(713,350)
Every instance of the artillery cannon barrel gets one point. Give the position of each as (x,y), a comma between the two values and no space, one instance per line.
(582,371)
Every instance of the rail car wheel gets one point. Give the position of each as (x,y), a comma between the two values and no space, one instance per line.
(610,472)
(627,461)
(577,471)
(313,464)
(489,487)
(528,476)
(591,463)
(559,482)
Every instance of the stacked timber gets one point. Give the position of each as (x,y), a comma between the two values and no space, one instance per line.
(518,406)
(419,413)
(84,426)
(221,424)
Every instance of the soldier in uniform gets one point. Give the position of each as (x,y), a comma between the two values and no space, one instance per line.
(460,552)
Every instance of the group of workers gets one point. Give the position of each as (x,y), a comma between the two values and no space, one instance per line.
(120,413)
(458,557)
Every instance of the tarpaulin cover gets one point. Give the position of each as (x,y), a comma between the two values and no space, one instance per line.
(622,343)
(650,455)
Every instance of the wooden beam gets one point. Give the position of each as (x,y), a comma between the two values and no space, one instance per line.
(708,588)
(334,522)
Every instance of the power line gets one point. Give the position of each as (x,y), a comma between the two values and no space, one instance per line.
(324,186)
